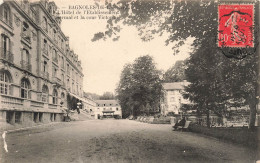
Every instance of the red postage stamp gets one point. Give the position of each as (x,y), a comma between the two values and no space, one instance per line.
(235,26)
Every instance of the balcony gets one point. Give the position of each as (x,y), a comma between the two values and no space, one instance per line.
(7,56)
(45,75)
(55,41)
(45,29)
(57,80)
(26,36)
(7,21)
(45,51)
(53,106)
(55,60)
(26,66)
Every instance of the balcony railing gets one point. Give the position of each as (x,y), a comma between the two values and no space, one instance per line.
(10,101)
(53,106)
(26,66)
(7,21)
(55,60)
(57,80)
(55,41)
(26,36)
(45,28)
(6,55)
(45,75)
(45,51)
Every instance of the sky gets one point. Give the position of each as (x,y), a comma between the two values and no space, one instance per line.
(103,61)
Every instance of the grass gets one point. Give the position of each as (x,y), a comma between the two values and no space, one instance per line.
(238,135)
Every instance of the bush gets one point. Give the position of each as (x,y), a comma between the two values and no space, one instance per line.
(240,135)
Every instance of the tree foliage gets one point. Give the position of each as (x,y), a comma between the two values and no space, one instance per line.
(214,78)
(107,96)
(217,81)
(139,86)
(176,73)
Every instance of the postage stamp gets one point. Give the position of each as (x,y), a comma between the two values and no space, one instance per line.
(236,25)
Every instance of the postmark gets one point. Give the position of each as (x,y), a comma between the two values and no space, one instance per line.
(236,30)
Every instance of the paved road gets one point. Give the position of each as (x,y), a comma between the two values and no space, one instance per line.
(117,141)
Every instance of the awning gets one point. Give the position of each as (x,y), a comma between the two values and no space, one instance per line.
(77,97)
(108,111)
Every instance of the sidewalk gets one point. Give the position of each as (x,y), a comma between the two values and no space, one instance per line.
(18,127)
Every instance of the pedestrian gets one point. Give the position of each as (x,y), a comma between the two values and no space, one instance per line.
(180,123)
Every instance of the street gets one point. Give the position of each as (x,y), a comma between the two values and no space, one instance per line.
(117,141)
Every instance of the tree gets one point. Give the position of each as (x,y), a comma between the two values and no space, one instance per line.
(123,91)
(139,85)
(207,88)
(176,73)
(181,20)
(94,96)
(107,96)
(216,81)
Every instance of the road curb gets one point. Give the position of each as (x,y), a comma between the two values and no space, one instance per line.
(26,128)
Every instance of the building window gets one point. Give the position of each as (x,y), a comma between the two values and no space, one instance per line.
(54,35)
(45,24)
(72,87)
(54,74)
(18,116)
(6,15)
(62,95)
(25,86)
(55,97)
(45,66)
(62,62)
(62,44)
(55,56)
(5,81)
(72,74)
(45,47)
(45,93)
(68,84)
(5,45)
(26,32)
(62,79)
(25,62)
(104,108)
(25,56)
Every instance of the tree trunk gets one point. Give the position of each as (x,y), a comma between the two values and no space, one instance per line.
(252,116)
(207,110)
(208,122)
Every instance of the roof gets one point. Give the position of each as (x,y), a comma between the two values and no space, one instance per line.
(110,103)
(175,85)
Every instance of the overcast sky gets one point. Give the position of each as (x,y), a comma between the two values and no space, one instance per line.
(102,61)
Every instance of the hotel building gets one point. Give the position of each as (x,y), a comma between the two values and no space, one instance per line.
(108,109)
(39,73)
(173,99)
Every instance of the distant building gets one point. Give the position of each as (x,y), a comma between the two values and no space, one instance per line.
(173,99)
(88,103)
(108,108)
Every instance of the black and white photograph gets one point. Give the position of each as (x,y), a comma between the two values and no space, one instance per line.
(129,81)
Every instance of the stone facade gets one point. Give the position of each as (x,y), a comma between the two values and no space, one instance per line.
(173,99)
(38,71)
(107,108)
